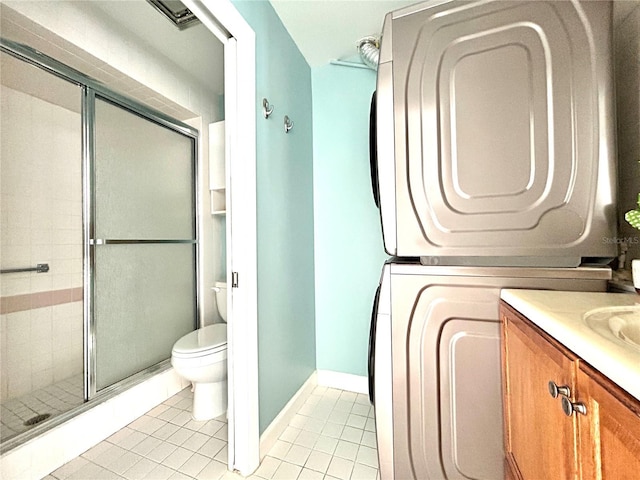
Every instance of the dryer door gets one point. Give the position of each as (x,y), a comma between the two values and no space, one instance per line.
(503,126)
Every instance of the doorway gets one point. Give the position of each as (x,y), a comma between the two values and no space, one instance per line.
(222,19)
(227,24)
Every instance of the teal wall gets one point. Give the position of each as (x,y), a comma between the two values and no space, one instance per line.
(286,324)
(348,242)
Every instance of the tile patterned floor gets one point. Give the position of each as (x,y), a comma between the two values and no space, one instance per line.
(331,437)
(53,400)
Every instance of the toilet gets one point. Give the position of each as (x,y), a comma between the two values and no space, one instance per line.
(201,358)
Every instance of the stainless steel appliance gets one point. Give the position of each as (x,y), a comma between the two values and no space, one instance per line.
(435,365)
(493,167)
(495,132)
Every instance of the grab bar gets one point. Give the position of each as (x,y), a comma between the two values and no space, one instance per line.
(39,268)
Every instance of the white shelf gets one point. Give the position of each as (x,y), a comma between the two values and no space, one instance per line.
(218,200)
(217,176)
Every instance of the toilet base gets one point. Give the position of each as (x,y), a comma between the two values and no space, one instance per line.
(209,400)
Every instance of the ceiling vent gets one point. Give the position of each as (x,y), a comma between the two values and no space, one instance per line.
(175,11)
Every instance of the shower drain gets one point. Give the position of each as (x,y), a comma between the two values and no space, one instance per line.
(37,419)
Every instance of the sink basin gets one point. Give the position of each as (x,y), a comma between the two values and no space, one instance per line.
(623,323)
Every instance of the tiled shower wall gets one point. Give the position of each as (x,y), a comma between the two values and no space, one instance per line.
(627,49)
(41,322)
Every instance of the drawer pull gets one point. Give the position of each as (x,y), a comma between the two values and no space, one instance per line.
(555,390)
(569,408)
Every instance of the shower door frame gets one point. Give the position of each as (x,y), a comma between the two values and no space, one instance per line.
(90,89)
(90,94)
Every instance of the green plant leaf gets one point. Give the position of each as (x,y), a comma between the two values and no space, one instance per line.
(633,217)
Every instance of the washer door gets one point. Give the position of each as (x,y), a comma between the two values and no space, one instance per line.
(446,345)
(371,365)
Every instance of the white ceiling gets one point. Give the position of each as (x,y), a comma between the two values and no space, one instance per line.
(194,49)
(195,52)
(326,30)
(323,30)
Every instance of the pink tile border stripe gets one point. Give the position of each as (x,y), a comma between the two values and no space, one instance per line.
(29,301)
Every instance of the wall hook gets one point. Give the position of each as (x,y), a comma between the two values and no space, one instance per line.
(266,108)
(288,124)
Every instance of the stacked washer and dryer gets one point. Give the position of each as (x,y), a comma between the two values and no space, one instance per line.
(493,166)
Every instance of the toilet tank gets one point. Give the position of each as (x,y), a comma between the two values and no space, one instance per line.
(221,299)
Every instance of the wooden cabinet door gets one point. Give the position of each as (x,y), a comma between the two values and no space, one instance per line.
(540,440)
(610,430)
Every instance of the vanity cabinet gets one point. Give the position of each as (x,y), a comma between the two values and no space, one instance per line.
(562,418)
(540,440)
(609,434)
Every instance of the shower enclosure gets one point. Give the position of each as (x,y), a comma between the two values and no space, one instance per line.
(101,190)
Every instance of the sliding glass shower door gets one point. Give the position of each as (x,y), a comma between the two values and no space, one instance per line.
(98,244)
(142,242)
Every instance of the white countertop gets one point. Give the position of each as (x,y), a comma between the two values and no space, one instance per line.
(560,314)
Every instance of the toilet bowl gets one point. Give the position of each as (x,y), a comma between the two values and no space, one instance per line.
(201,358)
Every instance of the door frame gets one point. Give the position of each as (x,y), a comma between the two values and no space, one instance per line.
(227,24)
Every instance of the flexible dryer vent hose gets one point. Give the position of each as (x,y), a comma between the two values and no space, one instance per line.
(369,49)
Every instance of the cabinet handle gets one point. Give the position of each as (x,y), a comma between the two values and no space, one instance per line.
(555,390)
(569,408)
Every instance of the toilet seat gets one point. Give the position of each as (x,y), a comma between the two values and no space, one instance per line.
(202,342)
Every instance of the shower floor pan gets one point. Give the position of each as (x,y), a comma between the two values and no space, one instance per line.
(19,414)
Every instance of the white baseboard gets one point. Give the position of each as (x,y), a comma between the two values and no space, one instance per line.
(343,381)
(280,423)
